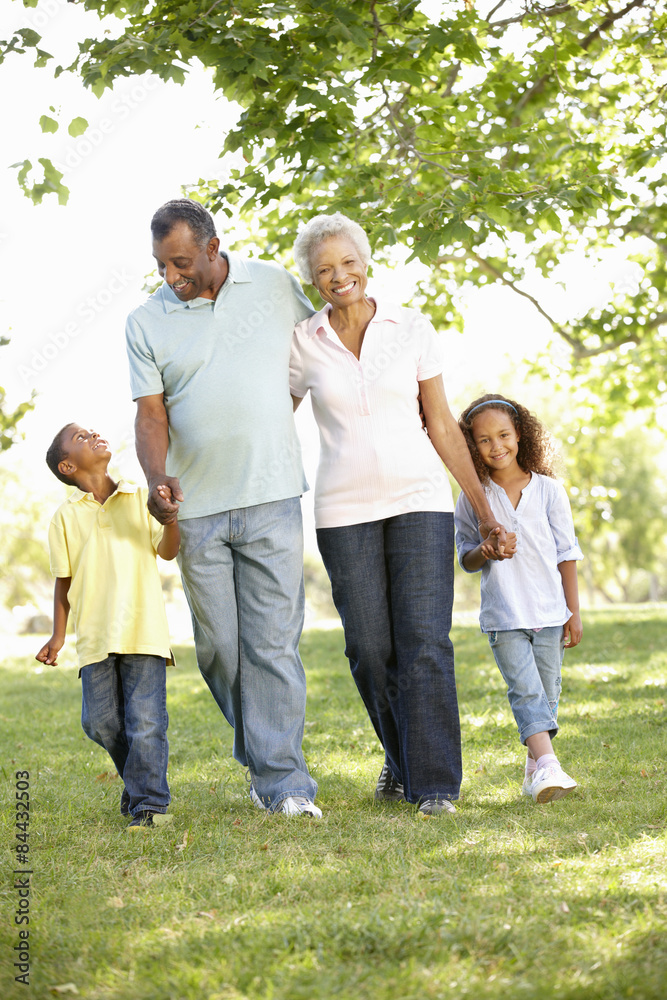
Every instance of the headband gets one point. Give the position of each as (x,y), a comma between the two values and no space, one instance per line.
(489,402)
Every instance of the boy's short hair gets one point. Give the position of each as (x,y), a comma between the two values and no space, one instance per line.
(56,454)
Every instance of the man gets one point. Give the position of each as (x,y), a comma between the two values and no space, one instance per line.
(209,356)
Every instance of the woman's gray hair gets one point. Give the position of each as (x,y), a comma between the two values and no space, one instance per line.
(322,227)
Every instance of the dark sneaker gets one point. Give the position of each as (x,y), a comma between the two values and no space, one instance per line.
(125,803)
(148,820)
(388,789)
(433,807)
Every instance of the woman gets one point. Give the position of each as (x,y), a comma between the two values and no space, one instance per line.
(383,507)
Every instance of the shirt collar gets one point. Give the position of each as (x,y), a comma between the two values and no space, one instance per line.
(384,310)
(123,487)
(238,273)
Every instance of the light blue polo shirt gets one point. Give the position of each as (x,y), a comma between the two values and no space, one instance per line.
(223,366)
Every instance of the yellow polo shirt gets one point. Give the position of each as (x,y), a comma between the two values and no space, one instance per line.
(109,551)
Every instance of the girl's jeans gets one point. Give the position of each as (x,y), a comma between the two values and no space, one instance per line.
(530,661)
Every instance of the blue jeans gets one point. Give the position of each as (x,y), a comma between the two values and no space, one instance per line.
(530,662)
(392,582)
(243,577)
(124,710)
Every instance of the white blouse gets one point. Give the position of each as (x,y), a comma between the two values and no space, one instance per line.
(376,461)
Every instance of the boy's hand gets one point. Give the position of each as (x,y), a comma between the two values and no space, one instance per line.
(573,631)
(164,497)
(49,653)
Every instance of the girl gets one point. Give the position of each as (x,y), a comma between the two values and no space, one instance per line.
(529,605)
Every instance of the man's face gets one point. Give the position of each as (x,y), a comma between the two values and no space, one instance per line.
(187,268)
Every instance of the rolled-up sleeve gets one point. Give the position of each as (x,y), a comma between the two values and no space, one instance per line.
(562,525)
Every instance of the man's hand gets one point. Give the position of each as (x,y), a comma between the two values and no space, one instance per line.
(164,497)
(49,652)
(490,552)
(573,631)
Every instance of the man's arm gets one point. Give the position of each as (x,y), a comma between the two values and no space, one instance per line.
(448,441)
(49,652)
(151,428)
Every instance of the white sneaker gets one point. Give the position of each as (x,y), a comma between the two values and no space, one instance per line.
(550,783)
(526,788)
(294,805)
(255,799)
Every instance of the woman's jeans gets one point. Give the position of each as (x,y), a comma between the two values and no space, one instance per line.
(243,577)
(124,710)
(392,582)
(530,662)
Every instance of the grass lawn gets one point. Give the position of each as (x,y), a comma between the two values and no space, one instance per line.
(505,900)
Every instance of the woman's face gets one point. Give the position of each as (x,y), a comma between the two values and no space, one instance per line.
(338,272)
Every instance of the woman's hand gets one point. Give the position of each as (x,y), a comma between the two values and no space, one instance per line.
(494,534)
(489,550)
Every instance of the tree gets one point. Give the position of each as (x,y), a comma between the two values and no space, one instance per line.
(618,493)
(490,141)
(9,419)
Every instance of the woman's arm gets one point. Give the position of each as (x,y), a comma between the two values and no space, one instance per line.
(448,441)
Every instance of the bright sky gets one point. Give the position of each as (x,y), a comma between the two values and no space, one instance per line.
(71,274)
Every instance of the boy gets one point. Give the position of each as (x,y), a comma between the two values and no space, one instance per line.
(102,544)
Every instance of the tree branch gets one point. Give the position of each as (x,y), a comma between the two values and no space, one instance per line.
(578,350)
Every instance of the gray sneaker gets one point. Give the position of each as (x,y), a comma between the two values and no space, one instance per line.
(433,807)
(298,805)
(388,789)
(255,799)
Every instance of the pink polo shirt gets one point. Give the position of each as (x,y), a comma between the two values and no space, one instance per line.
(376,461)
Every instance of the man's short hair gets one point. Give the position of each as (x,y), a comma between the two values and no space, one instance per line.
(56,454)
(184,210)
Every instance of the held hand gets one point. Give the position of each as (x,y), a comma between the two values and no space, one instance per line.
(573,631)
(164,497)
(489,552)
(494,533)
(49,652)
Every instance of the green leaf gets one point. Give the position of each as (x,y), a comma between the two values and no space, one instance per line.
(77,127)
(48,124)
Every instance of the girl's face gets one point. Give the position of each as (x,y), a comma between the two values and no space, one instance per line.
(497,439)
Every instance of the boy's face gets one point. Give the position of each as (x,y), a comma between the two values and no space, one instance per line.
(85,451)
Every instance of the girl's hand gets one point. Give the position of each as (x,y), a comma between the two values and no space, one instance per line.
(49,653)
(573,631)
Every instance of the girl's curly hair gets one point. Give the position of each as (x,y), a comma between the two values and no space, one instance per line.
(536,448)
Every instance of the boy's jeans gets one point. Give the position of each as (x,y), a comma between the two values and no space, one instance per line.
(125,711)
(243,577)
(530,661)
